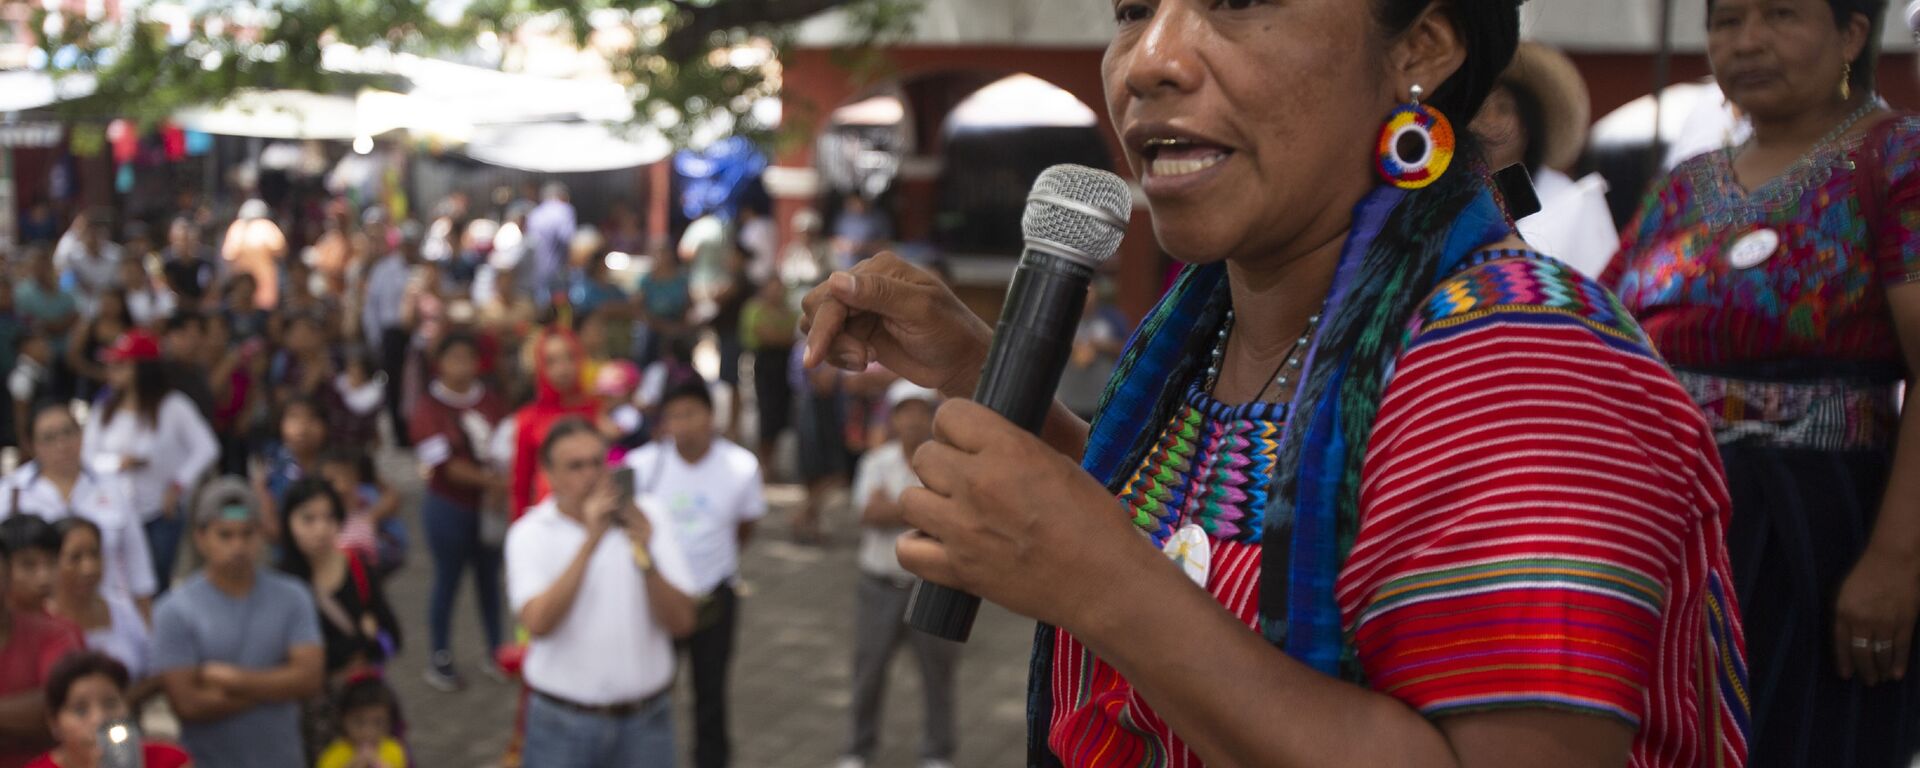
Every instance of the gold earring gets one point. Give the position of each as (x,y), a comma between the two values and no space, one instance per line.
(1846,83)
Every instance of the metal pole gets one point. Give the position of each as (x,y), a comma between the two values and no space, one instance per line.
(1662,75)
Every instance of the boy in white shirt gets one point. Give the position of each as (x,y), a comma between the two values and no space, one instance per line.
(708,490)
(880,623)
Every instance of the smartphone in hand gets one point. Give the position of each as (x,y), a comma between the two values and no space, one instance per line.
(623,479)
(120,745)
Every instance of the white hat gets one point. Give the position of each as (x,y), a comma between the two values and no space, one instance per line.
(904,390)
(1913,16)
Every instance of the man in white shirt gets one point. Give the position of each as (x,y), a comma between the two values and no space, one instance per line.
(89,259)
(603,593)
(708,490)
(759,238)
(880,622)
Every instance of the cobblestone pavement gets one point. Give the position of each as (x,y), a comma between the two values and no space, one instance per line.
(791,678)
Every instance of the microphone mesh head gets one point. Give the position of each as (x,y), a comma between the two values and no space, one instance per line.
(1078,212)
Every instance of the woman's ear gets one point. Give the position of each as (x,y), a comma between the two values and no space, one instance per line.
(1427,53)
(1854,36)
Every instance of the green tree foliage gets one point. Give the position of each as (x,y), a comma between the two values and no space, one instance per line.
(683,67)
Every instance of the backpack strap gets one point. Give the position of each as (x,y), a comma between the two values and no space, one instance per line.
(358,571)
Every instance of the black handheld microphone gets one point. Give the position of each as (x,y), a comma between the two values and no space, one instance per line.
(1074,221)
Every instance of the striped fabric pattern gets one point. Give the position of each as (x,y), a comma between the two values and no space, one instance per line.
(1099,719)
(1542,520)
(1543,526)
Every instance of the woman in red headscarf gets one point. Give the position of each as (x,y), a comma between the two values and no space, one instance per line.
(558,394)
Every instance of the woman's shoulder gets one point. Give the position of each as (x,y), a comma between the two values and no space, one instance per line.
(1903,129)
(1526,289)
(1899,145)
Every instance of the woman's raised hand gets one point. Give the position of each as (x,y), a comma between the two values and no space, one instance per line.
(888,311)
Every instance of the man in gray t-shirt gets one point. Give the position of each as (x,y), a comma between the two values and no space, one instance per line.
(237,647)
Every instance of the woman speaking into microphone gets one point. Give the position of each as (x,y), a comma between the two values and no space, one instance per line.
(1374,484)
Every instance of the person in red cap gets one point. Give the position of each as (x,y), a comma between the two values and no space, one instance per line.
(155,437)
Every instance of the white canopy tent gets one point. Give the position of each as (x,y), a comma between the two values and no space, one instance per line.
(566,147)
(527,122)
(1021,101)
(24,89)
(276,115)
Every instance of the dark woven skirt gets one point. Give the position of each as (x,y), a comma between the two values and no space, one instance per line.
(1801,519)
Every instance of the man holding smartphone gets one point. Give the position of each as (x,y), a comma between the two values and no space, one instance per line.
(603,592)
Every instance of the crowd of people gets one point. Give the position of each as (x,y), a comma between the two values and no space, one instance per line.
(233,400)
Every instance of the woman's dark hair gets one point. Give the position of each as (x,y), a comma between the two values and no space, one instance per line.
(67,525)
(184,319)
(364,692)
(125,315)
(1403,263)
(456,339)
(1866,64)
(1533,121)
(692,387)
(150,386)
(312,407)
(348,456)
(361,355)
(580,319)
(20,533)
(1489,30)
(561,430)
(293,562)
(77,666)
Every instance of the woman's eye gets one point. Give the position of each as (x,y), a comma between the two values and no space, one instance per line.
(1127,13)
(1237,5)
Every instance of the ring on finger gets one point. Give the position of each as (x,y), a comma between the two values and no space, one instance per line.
(1862,643)
(1883,646)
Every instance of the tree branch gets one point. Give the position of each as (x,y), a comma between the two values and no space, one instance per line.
(692,36)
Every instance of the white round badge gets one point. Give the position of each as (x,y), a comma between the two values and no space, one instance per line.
(1754,249)
(1192,551)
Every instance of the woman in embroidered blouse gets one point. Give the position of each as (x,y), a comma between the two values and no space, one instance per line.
(1777,278)
(1435,500)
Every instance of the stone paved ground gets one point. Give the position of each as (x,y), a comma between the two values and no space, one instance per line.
(791,674)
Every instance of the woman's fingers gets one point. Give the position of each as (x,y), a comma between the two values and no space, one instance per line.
(929,512)
(939,467)
(969,426)
(1876,659)
(1843,637)
(927,558)
(823,320)
(1902,644)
